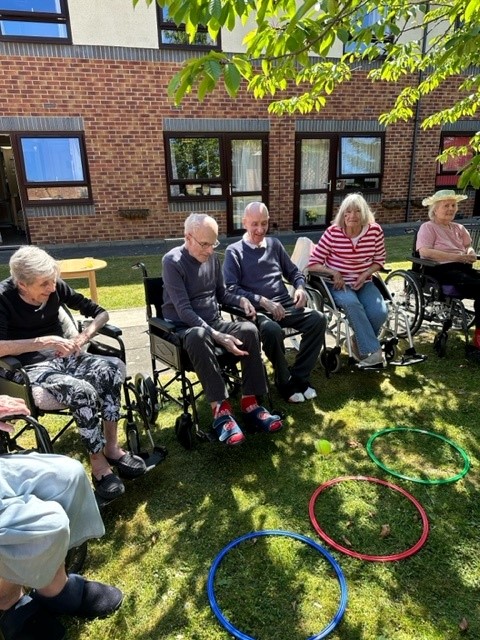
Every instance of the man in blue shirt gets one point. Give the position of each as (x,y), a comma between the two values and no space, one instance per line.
(256,267)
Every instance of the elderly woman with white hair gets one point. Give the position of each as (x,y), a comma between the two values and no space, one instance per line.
(449,243)
(350,251)
(30,330)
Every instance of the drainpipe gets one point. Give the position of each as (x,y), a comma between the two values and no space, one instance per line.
(415,128)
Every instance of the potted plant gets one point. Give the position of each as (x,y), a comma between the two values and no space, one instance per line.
(311,215)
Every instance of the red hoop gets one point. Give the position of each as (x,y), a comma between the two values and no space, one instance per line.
(363,556)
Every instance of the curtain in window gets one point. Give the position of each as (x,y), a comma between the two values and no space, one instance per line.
(314,164)
(246,165)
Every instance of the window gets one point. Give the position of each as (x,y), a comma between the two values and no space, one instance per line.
(194,166)
(448,172)
(228,167)
(34,20)
(359,163)
(368,20)
(327,166)
(53,168)
(170,35)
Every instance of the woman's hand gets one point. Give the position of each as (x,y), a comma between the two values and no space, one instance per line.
(362,278)
(469,258)
(62,347)
(338,281)
(11,406)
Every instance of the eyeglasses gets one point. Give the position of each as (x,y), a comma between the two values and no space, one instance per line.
(206,245)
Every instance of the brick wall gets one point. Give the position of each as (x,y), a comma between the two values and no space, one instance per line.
(122,104)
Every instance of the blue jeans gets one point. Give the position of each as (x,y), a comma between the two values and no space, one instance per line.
(366,312)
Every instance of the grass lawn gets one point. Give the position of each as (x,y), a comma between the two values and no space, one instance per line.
(163,536)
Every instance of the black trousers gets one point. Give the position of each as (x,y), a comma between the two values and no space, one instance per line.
(464,278)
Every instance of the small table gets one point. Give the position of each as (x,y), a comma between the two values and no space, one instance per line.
(82,268)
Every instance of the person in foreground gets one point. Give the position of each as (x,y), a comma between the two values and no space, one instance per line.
(193,289)
(256,267)
(350,251)
(46,507)
(31,330)
(449,243)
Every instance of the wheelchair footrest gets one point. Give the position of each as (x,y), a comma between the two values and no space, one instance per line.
(154,457)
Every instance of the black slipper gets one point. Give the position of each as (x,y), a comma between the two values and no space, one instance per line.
(26,620)
(83,598)
(128,466)
(108,487)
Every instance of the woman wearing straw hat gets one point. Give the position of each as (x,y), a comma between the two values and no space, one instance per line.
(449,243)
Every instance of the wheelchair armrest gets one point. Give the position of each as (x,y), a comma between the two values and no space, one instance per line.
(424,262)
(163,325)
(109,330)
(234,310)
(10,363)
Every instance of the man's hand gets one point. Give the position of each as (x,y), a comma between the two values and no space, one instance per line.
(248,308)
(274,308)
(230,343)
(300,298)
(11,406)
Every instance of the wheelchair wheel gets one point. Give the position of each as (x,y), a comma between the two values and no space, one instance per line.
(440,344)
(133,438)
(330,359)
(462,313)
(184,430)
(76,558)
(407,294)
(147,397)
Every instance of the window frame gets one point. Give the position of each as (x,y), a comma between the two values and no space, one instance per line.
(24,185)
(169,25)
(184,182)
(340,175)
(333,189)
(39,17)
(442,175)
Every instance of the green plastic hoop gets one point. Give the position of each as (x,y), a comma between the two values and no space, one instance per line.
(392,472)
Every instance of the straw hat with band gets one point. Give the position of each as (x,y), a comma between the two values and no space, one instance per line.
(443,194)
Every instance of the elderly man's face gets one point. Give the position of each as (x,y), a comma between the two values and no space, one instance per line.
(202,242)
(445,211)
(38,291)
(256,225)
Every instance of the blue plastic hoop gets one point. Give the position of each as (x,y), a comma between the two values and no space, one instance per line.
(289,534)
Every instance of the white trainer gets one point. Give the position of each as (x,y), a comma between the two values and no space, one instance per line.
(297,397)
(310,393)
(376,359)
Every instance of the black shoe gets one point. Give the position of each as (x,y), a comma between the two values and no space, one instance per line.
(26,620)
(83,598)
(108,487)
(128,466)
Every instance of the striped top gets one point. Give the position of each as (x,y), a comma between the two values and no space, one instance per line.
(336,251)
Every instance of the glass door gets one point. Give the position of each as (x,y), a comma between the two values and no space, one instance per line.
(315,172)
(247,172)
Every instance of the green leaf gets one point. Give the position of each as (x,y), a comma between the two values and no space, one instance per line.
(232,79)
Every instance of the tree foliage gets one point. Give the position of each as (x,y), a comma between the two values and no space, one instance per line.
(290,43)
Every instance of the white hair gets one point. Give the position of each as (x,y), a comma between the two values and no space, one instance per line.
(29,263)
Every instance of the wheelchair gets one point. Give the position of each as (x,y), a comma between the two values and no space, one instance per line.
(14,382)
(339,334)
(13,443)
(174,379)
(425,300)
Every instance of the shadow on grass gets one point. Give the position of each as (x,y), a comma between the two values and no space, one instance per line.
(164,535)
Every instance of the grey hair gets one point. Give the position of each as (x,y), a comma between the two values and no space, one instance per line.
(358,201)
(256,207)
(29,263)
(197,220)
(433,206)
